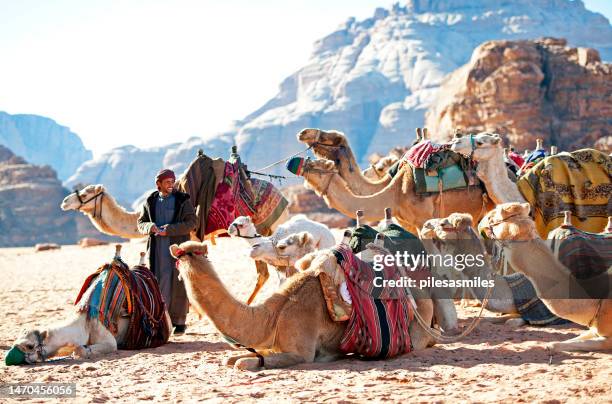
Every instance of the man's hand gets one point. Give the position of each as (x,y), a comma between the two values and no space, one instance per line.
(162,231)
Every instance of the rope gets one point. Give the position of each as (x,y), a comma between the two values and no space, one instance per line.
(283,160)
(437,335)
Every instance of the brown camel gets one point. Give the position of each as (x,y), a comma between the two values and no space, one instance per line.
(333,145)
(292,326)
(510,222)
(410,210)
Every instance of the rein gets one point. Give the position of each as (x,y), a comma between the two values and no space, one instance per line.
(257,235)
(93,198)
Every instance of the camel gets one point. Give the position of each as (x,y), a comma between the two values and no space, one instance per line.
(455,235)
(103,211)
(77,335)
(284,253)
(290,327)
(243,227)
(333,145)
(510,223)
(108,216)
(378,170)
(410,210)
(487,150)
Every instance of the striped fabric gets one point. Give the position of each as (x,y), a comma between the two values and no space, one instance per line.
(113,288)
(378,325)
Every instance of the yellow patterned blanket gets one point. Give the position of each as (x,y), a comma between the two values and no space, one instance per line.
(579,182)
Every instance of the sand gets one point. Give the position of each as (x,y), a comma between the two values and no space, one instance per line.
(493,364)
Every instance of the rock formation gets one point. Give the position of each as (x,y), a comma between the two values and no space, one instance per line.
(30,197)
(374,79)
(41,141)
(527,90)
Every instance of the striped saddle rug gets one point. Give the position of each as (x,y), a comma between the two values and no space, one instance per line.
(114,291)
(379,321)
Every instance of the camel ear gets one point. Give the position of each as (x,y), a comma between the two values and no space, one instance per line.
(512,208)
(496,139)
(304,263)
(173,250)
(461,220)
(304,238)
(329,165)
(43,334)
(99,188)
(204,249)
(526,208)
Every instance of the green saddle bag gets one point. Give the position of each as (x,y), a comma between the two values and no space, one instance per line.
(452,177)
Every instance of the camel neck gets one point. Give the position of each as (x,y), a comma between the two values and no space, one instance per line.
(492,172)
(350,171)
(250,326)
(113,219)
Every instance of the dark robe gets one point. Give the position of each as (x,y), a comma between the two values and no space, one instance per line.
(182,222)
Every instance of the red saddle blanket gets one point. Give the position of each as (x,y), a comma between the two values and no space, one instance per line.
(379,321)
(113,288)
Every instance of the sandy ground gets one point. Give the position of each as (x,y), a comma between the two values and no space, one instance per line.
(494,363)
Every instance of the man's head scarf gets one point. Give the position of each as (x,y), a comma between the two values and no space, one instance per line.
(164,175)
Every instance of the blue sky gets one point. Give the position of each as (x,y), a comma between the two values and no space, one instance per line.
(151,72)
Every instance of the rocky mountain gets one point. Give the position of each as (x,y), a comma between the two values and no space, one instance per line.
(527,90)
(30,196)
(41,141)
(127,172)
(374,79)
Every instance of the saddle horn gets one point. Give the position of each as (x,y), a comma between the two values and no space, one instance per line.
(539,144)
(380,240)
(609,226)
(419,134)
(346,237)
(118,251)
(142,259)
(567,218)
(553,150)
(359,217)
(424,133)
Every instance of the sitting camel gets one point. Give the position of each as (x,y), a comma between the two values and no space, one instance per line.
(410,210)
(80,335)
(510,223)
(243,227)
(292,326)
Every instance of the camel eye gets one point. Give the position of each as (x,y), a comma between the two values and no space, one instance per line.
(282,247)
(29,346)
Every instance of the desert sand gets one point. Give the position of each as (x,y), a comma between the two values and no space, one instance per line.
(493,364)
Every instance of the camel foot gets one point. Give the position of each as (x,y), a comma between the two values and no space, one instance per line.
(516,322)
(231,360)
(251,364)
(82,352)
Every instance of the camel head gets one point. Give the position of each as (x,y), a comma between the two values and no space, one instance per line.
(509,221)
(31,343)
(242,226)
(379,169)
(322,261)
(85,200)
(483,146)
(325,144)
(318,174)
(188,255)
(286,251)
(457,226)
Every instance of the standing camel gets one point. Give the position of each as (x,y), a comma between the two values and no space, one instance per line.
(510,223)
(410,210)
(291,327)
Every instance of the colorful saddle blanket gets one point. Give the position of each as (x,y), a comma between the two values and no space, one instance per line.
(378,326)
(580,182)
(586,255)
(114,288)
(436,168)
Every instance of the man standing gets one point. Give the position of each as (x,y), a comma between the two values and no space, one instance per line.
(167,217)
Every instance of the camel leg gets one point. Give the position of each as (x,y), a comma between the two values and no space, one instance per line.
(231,360)
(262,277)
(420,338)
(271,361)
(446,314)
(103,341)
(586,342)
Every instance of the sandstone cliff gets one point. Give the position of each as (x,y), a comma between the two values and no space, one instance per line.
(30,197)
(527,90)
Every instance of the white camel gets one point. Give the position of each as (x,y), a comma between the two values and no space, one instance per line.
(286,252)
(76,335)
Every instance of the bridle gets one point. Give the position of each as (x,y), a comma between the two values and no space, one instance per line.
(256,235)
(340,148)
(93,198)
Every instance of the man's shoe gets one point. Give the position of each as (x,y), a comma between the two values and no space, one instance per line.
(179,329)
